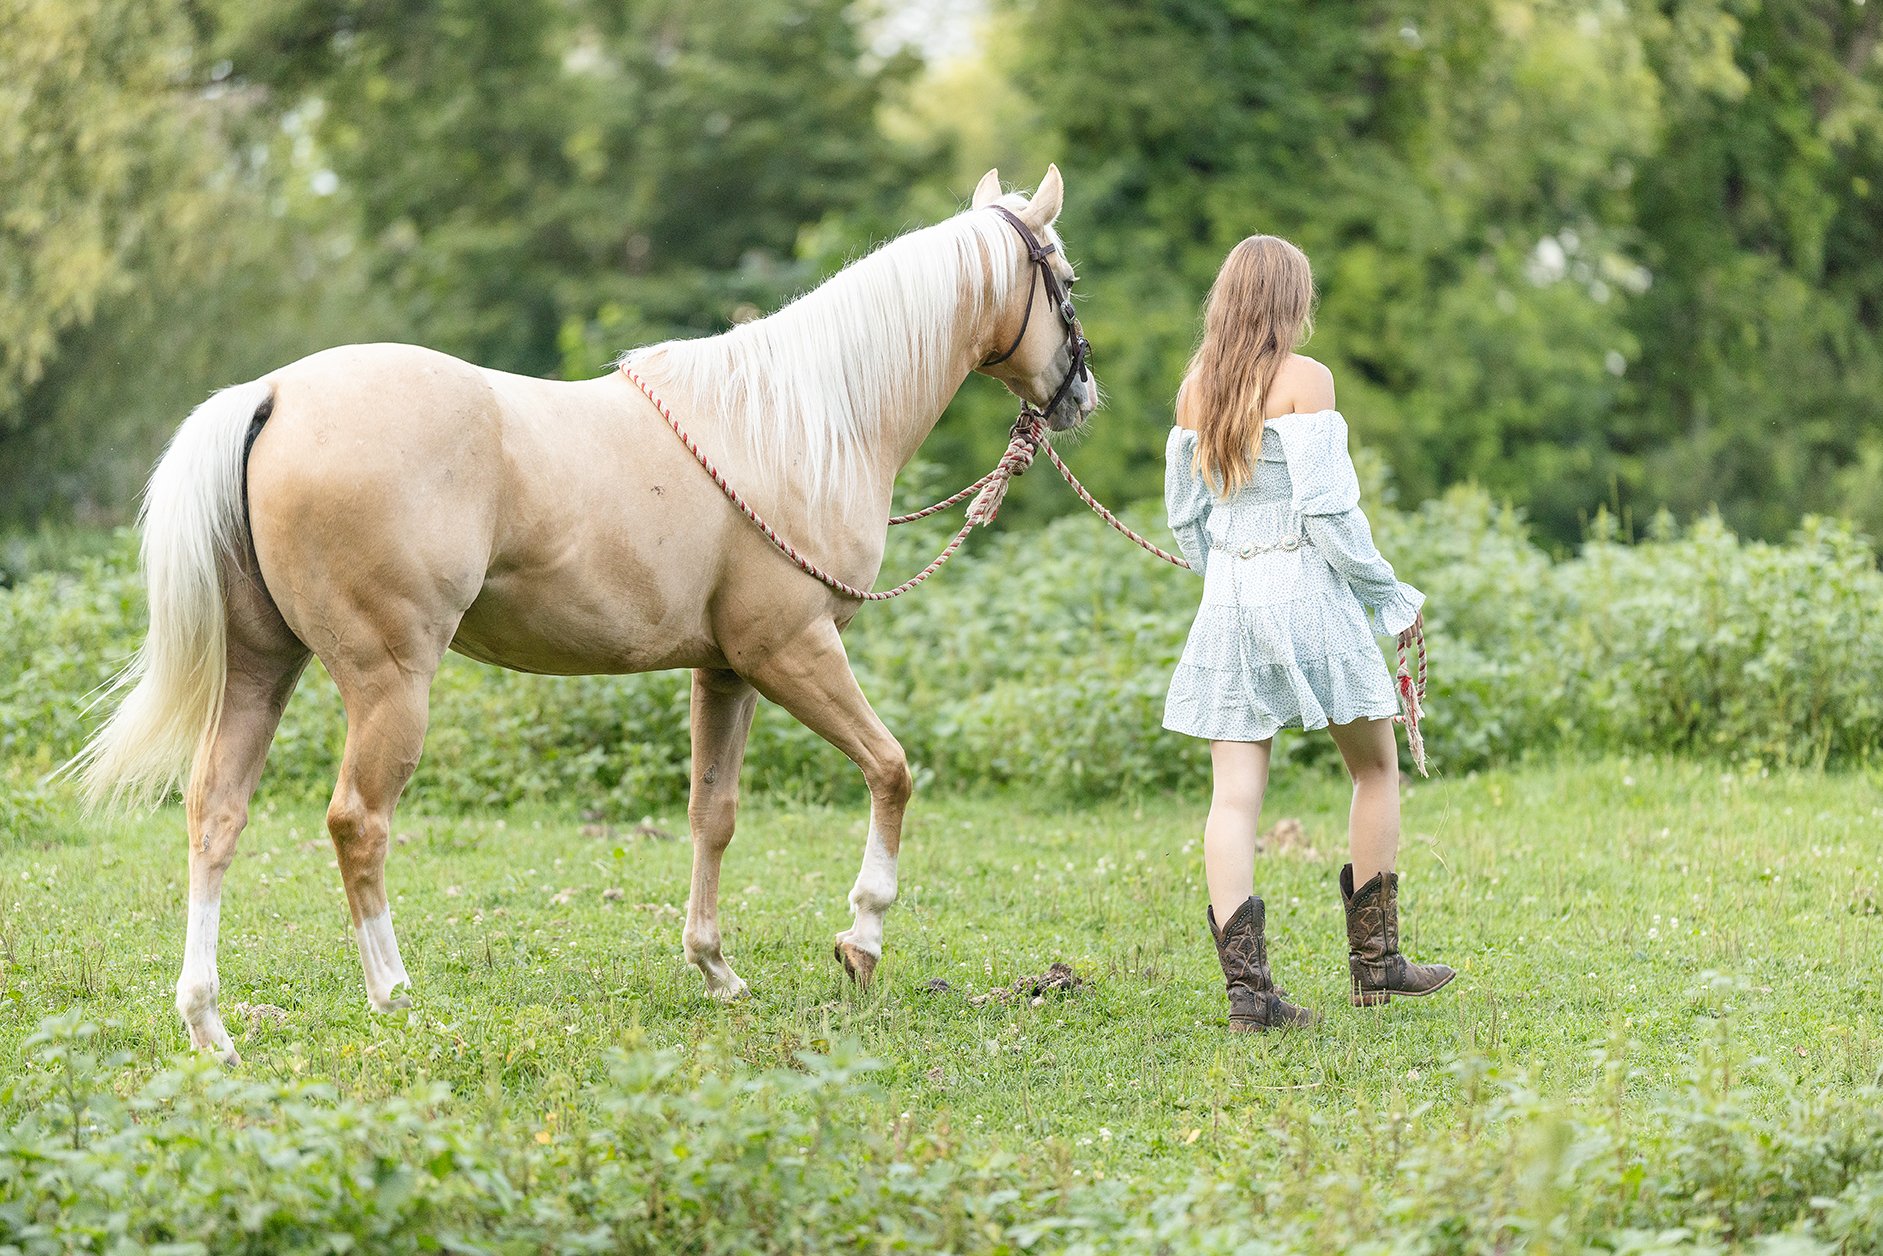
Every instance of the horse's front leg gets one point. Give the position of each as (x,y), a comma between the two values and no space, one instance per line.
(812,680)
(722,716)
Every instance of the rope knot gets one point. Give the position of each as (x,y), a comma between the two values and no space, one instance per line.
(1028,433)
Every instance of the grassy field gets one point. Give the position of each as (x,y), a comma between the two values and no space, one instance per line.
(1676,906)
(1621,929)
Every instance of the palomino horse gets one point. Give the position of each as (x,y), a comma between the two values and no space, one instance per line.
(377,505)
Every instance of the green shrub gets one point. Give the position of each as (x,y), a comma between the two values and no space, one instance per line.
(1041,657)
(666,1152)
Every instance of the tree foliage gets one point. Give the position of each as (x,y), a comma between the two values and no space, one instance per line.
(106,173)
(525,167)
(1581,252)
(534,184)
(1578,252)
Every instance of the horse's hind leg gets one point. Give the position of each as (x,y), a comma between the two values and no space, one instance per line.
(260,680)
(722,716)
(387,705)
(812,679)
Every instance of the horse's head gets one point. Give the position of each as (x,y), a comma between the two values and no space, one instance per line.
(1035,345)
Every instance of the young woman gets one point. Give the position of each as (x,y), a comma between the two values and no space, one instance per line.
(1264,501)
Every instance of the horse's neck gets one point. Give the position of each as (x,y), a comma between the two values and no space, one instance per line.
(884,430)
(906,422)
(907,414)
(902,435)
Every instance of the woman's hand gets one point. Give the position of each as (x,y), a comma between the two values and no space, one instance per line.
(1411,635)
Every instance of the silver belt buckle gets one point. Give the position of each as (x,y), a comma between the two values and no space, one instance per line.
(1251,549)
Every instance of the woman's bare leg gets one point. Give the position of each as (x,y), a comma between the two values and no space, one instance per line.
(1380,970)
(1372,758)
(1241,777)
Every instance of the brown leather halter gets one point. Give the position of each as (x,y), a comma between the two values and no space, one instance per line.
(1038,255)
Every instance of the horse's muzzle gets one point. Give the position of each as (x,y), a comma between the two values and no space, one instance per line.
(1080,400)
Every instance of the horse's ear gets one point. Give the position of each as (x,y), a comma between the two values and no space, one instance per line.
(987,191)
(1046,203)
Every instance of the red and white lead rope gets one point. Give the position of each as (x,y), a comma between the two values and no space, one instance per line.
(1412,698)
(1116,523)
(785,547)
(1028,438)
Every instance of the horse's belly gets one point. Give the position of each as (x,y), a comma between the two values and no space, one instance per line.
(570,625)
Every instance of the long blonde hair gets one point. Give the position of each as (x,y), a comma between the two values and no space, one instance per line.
(1261,309)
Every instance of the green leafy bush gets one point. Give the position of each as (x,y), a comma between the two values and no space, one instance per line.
(1041,658)
(668,1152)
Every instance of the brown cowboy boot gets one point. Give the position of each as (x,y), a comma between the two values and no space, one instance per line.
(1254,1002)
(1373,957)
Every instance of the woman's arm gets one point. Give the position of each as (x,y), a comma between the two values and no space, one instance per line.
(1187,498)
(1327,493)
(1346,540)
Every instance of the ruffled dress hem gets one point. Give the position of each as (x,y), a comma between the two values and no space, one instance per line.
(1254,702)
(1255,730)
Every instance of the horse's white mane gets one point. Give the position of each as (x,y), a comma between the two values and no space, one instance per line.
(808,386)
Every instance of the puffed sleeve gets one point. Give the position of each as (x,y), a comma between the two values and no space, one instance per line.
(1327,496)
(1187,499)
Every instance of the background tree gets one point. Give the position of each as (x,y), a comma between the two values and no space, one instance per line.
(92,123)
(111,180)
(1763,387)
(1582,253)
(1452,170)
(1586,253)
(529,183)
(525,167)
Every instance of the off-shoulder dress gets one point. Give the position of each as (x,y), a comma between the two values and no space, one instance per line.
(1293,590)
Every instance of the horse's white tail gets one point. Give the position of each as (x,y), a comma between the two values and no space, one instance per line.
(193,522)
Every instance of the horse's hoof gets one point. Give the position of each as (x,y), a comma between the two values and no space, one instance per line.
(860,964)
(222,1052)
(399,1004)
(729,991)
(207,1033)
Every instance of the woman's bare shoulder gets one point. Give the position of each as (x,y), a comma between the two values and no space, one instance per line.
(1303,367)
(1302,386)
(1185,417)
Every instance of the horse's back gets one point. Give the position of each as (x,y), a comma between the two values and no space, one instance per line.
(395,398)
(416,500)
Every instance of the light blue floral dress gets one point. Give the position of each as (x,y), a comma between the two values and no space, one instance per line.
(1293,590)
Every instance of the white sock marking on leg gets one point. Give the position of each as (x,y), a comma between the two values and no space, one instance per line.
(196,985)
(871,896)
(379,958)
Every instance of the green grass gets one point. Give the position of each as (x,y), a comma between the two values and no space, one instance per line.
(1673,911)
